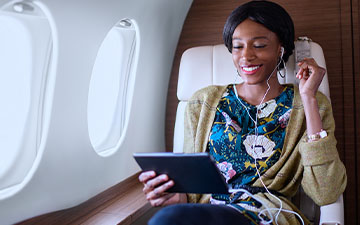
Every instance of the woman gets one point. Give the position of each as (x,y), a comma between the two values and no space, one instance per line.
(282,132)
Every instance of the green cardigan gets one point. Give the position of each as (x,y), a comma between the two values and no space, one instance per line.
(315,165)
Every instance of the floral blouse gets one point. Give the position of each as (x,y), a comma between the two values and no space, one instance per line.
(235,147)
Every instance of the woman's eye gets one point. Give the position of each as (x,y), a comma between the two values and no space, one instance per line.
(237,46)
(259,46)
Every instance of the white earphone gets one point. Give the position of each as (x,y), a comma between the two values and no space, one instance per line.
(282,52)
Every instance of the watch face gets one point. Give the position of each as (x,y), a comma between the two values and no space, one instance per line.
(323,134)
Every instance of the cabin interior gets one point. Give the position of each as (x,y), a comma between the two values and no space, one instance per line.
(67,138)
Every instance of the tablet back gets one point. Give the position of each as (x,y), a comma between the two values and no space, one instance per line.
(191,173)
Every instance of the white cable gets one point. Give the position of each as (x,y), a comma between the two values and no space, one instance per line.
(283,210)
(257,171)
(257,199)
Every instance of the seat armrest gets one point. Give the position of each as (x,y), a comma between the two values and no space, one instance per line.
(332,213)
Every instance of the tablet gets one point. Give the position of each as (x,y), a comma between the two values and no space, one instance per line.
(191,173)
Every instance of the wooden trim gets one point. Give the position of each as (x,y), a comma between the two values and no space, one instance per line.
(348,109)
(120,204)
(356,81)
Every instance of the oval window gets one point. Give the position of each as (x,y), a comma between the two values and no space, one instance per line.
(109,87)
(25,44)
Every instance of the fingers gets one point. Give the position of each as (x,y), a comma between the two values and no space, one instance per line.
(308,67)
(303,73)
(155,187)
(160,190)
(145,176)
(151,184)
(162,200)
(310,75)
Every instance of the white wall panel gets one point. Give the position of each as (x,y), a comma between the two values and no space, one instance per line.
(67,170)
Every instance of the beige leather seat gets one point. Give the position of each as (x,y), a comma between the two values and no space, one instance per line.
(212,65)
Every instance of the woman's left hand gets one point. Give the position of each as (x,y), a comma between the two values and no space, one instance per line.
(310,75)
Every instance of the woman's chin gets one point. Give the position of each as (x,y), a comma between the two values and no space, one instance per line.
(250,80)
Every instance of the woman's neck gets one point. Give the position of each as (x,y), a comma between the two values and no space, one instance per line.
(253,94)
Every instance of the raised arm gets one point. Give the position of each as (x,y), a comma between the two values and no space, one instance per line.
(324,177)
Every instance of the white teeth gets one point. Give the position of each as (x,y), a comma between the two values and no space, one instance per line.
(249,69)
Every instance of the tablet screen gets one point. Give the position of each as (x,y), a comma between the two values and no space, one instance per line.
(191,173)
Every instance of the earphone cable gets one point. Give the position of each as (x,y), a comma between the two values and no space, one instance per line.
(256,132)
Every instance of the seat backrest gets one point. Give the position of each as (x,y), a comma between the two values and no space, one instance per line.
(213,65)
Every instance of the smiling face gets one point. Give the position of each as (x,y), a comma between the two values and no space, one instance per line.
(255,52)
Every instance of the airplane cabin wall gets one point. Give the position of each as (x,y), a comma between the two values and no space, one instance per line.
(334,24)
(67,170)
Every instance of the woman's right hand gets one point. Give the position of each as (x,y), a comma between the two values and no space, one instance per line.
(155,188)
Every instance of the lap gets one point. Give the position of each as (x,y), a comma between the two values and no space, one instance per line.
(194,214)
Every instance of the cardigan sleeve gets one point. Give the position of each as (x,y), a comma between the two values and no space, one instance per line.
(324,176)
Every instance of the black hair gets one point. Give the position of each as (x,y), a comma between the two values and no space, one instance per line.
(269,14)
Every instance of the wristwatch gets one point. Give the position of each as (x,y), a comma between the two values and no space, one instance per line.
(317,136)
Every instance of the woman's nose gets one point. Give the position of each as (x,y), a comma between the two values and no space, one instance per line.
(247,54)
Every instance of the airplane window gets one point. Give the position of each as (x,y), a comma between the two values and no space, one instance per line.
(25,44)
(110,85)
